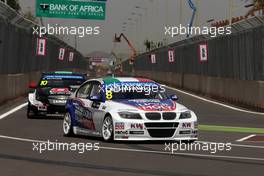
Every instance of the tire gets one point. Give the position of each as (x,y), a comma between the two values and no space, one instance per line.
(67,125)
(30,112)
(108,129)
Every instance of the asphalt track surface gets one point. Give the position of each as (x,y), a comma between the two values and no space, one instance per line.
(18,134)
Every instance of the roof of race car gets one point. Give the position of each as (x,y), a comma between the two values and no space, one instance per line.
(110,80)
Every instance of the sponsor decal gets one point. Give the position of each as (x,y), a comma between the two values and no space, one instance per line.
(119,126)
(63,77)
(152,105)
(87,120)
(58,91)
(137,126)
(59,101)
(121,132)
(186,125)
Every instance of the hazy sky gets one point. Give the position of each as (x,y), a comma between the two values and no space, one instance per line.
(151,26)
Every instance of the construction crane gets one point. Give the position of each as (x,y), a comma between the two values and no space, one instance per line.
(194,9)
(117,39)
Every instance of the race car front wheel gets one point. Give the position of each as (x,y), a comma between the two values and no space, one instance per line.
(107,129)
(67,125)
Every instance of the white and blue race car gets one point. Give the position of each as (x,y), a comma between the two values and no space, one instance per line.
(119,108)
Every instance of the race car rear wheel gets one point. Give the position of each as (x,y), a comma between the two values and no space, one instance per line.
(30,112)
(107,129)
(67,125)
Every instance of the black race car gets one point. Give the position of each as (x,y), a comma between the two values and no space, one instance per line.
(49,96)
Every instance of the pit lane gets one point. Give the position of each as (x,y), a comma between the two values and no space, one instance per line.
(130,158)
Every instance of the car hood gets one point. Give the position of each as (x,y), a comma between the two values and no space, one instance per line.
(148,105)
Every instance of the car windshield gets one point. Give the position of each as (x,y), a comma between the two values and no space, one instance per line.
(60,81)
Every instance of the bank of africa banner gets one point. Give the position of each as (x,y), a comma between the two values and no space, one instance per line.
(94,10)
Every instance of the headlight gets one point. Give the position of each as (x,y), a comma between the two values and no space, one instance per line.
(129,115)
(185,115)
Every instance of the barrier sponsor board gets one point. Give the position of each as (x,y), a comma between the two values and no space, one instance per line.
(171,55)
(203,53)
(71,56)
(70,9)
(61,53)
(153,58)
(41,46)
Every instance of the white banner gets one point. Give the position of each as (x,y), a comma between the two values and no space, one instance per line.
(153,58)
(203,52)
(41,46)
(61,53)
(71,56)
(171,55)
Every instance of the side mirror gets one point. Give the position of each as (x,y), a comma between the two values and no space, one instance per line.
(174,97)
(32,85)
(95,98)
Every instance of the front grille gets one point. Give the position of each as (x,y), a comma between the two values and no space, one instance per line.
(161,130)
(161,125)
(161,133)
(169,115)
(153,116)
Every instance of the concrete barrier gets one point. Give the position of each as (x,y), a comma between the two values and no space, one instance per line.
(16,85)
(243,93)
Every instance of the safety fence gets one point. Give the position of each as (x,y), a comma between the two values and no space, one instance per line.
(18,47)
(236,56)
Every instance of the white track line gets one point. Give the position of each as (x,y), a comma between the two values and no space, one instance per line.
(245,138)
(214,102)
(236,145)
(13,110)
(147,151)
(185,154)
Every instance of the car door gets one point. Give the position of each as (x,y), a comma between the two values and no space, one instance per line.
(81,102)
(97,107)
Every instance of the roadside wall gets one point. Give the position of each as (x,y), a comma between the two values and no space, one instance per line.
(234,71)
(19,64)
